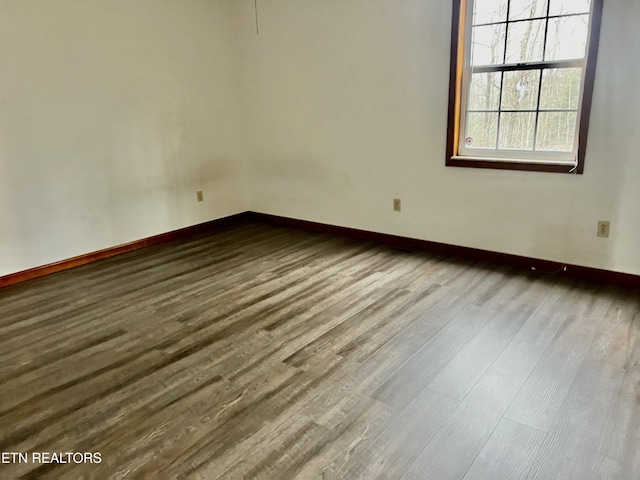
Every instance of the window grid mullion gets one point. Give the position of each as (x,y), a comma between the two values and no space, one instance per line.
(504,60)
(544,56)
(506,33)
(499,112)
(565,15)
(535,125)
(546,32)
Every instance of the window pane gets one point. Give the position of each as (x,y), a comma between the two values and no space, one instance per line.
(567,37)
(489,11)
(520,90)
(563,7)
(556,131)
(487,46)
(525,41)
(484,91)
(560,88)
(481,130)
(516,131)
(523,9)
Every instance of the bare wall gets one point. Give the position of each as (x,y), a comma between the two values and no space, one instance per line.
(112,114)
(347,108)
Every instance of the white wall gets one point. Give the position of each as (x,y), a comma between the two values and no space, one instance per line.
(112,114)
(347,101)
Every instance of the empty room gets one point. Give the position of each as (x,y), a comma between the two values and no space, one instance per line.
(319,239)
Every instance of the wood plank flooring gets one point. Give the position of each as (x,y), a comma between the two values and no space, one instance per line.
(266,352)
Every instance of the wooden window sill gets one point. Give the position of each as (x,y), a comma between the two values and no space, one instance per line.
(514,165)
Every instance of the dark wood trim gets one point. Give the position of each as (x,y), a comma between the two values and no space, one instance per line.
(455,74)
(575,271)
(523,166)
(36,272)
(589,82)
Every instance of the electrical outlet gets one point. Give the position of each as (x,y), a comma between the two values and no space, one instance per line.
(199,196)
(396,205)
(603,229)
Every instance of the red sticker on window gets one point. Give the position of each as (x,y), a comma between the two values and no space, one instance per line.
(468,140)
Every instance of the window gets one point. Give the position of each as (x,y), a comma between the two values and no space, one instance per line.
(522,74)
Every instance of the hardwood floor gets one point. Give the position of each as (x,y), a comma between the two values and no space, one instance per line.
(267,352)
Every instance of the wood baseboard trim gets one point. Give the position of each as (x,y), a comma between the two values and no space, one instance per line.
(543,266)
(36,272)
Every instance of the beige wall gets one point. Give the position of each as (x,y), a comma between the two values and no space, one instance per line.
(112,114)
(348,102)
